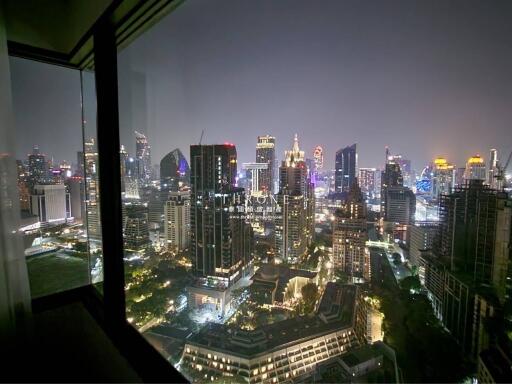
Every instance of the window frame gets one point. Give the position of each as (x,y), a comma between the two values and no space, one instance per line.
(118,26)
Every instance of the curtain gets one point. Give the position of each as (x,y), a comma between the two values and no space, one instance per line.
(14,285)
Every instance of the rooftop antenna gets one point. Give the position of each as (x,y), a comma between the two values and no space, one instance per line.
(201,138)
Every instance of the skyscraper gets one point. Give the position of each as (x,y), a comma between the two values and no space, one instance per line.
(346,168)
(123,156)
(443,179)
(37,167)
(350,236)
(92,201)
(136,230)
(266,153)
(174,171)
(220,240)
(177,221)
(51,203)
(367,180)
(475,168)
(295,226)
(391,177)
(143,156)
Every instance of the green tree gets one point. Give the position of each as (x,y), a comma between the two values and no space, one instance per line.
(309,296)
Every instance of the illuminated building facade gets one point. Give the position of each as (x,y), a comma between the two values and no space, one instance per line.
(174,172)
(346,168)
(475,169)
(266,153)
(391,177)
(350,236)
(443,180)
(294,227)
(283,351)
(136,228)
(51,203)
(177,221)
(37,167)
(367,179)
(492,172)
(143,156)
(220,245)
(92,203)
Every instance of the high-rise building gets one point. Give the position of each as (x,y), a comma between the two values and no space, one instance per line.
(143,156)
(294,227)
(350,235)
(346,168)
(50,202)
(136,230)
(266,153)
(123,156)
(421,238)
(408,177)
(174,171)
(37,167)
(220,238)
(475,168)
(492,172)
(254,173)
(470,267)
(92,202)
(177,221)
(470,240)
(367,179)
(23,185)
(443,179)
(75,185)
(400,205)
(391,177)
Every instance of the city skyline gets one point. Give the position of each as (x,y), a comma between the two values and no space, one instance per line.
(344,82)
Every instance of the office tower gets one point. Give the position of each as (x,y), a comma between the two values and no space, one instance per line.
(350,236)
(459,175)
(470,240)
(421,239)
(174,171)
(50,202)
(177,221)
(266,153)
(475,168)
(37,167)
(75,186)
(92,202)
(408,177)
(136,230)
(443,179)
(294,227)
(123,156)
(470,267)
(346,168)
(492,172)
(400,205)
(143,157)
(367,179)
(255,174)
(155,200)
(220,245)
(390,177)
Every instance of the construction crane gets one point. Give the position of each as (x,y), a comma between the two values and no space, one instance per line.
(201,138)
(500,174)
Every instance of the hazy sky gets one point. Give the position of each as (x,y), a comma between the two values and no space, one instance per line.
(425,77)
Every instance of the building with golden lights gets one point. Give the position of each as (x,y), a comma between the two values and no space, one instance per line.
(475,168)
(284,351)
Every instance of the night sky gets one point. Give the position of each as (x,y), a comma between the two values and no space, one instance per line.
(425,77)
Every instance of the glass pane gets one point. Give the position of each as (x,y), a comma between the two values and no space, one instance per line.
(46,102)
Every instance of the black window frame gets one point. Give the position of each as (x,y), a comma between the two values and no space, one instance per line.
(121,22)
